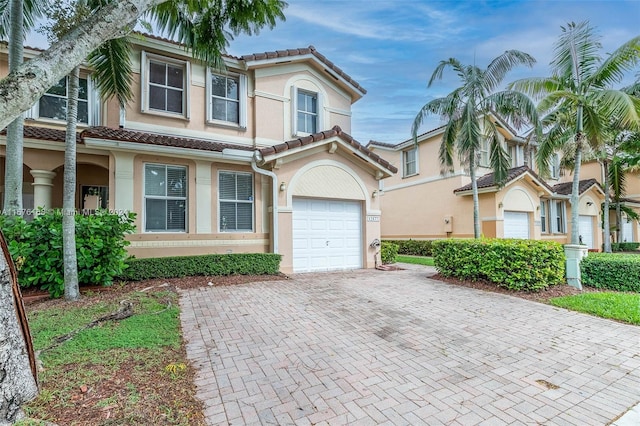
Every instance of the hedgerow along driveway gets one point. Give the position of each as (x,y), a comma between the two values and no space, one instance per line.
(369,347)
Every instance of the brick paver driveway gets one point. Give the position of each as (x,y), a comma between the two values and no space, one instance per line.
(371,347)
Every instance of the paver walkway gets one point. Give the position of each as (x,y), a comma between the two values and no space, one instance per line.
(372,347)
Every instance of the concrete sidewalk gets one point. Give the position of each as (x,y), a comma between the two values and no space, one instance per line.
(371,347)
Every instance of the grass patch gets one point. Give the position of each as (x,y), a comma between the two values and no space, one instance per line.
(416,260)
(116,372)
(623,307)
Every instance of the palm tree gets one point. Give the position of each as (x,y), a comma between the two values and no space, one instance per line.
(18,17)
(468,111)
(580,85)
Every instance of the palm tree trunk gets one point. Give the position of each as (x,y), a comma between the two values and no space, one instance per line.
(575,187)
(474,189)
(71,288)
(14,154)
(618,222)
(607,201)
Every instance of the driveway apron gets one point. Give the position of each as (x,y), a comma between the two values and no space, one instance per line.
(395,347)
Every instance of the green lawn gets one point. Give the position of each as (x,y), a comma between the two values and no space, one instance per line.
(416,260)
(619,306)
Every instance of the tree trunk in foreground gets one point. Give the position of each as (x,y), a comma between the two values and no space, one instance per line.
(17,381)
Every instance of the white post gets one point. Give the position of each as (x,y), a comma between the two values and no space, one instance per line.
(574,254)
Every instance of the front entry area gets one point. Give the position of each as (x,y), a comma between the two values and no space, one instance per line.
(586,230)
(516,225)
(327,235)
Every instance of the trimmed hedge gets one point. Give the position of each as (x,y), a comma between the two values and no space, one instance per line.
(513,264)
(388,252)
(624,246)
(619,272)
(209,264)
(413,247)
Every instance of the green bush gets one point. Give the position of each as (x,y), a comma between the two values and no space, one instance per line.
(36,248)
(514,264)
(624,246)
(209,264)
(388,252)
(611,271)
(413,247)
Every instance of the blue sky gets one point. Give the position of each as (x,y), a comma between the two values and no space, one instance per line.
(391,47)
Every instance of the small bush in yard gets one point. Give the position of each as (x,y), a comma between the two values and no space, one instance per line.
(413,247)
(611,271)
(209,264)
(514,264)
(388,252)
(36,247)
(626,246)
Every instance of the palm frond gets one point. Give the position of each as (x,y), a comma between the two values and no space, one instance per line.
(113,70)
(501,65)
(617,178)
(442,65)
(576,53)
(612,70)
(499,160)
(448,145)
(32,10)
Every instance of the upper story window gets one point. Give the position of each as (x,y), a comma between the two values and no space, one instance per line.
(227,99)
(165,198)
(306,112)
(165,85)
(559,214)
(53,104)
(517,155)
(484,153)
(410,162)
(544,226)
(235,194)
(554,166)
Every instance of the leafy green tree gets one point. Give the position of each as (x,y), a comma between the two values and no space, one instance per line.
(581,87)
(469,109)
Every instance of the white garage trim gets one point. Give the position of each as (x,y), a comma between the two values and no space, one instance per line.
(585,226)
(516,225)
(327,235)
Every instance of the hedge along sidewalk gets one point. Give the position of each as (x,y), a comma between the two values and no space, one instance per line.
(209,264)
(619,272)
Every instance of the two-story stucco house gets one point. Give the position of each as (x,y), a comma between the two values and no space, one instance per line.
(256,158)
(422,203)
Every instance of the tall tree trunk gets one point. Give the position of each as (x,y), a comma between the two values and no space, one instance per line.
(13,157)
(575,187)
(20,89)
(17,383)
(71,288)
(607,201)
(618,222)
(474,190)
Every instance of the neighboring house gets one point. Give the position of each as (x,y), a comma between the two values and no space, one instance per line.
(422,203)
(257,158)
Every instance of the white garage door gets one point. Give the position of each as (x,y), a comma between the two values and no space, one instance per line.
(516,225)
(586,230)
(627,229)
(327,235)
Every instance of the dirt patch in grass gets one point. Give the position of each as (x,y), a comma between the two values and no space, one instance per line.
(542,296)
(134,386)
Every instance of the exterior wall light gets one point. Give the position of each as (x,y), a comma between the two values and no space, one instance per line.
(283,186)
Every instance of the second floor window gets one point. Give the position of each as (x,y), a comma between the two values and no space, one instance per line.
(165,85)
(307,111)
(554,166)
(53,104)
(484,153)
(409,162)
(227,96)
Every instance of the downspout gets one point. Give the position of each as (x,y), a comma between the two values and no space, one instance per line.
(274,181)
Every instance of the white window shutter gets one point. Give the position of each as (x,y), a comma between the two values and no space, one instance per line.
(243,96)
(320,126)
(294,110)
(553,216)
(187,90)
(208,102)
(143,82)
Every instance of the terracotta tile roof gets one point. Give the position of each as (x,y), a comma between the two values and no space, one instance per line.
(44,134)
(487,181)
(565,187)
(381,144)
(304,51)
(157,139)
(335,131)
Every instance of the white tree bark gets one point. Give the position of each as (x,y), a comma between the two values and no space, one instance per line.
(14,153)
(21,88)
(71,287)
(477,232)
(17,384)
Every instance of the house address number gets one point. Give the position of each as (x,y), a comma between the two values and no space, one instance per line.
(373,218)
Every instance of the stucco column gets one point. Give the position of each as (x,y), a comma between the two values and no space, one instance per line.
(42,186)
(574,254)
(203,197)
(124,184)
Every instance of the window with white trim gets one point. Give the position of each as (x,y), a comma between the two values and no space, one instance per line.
(558,217)
(544,227)
(53,104)
(306,112)
(165,85)
(235,196)
(227,96)
(165,198)
(484,153)
(410,162)
(554,166)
